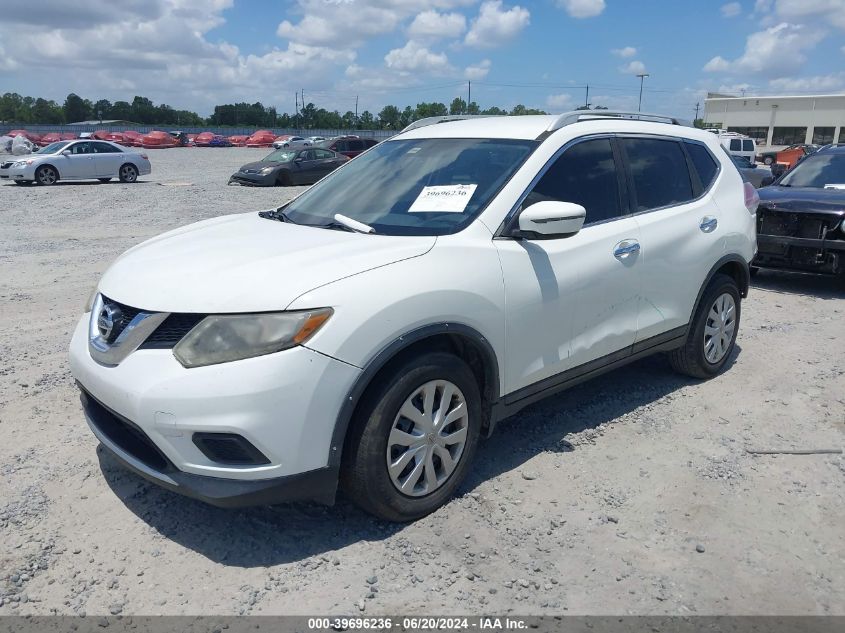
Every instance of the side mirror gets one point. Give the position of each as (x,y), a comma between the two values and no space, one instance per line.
(767,181)
(66,152)
(552,219)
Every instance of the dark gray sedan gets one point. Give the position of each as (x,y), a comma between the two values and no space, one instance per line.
(284,167)
(751,172)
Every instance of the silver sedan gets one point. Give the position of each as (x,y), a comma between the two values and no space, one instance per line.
(76,160)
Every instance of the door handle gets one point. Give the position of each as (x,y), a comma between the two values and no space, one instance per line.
(708,224)
(625,248)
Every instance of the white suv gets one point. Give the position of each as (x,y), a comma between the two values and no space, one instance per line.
(371,330)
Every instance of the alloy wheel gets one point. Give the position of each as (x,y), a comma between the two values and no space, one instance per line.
(128,173)
(719,328)
(47,176)
(427,438)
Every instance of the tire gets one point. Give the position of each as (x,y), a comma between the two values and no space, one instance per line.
(768,160)
(128,173)
(46,175)
(283,179)
(429,479)
(104,179)
(691,359)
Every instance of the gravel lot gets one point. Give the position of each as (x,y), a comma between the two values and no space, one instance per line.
(631,494)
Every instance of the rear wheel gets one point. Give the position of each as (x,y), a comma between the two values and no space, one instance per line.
(768,160)
(713,331)
(46,175)
(414,438)
(128,173)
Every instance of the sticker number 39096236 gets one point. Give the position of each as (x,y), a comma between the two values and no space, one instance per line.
(443,199)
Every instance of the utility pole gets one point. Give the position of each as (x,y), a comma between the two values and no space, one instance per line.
(296,98)
(642,76)
(697,106)
(587,97)
(469,93)
(356,110)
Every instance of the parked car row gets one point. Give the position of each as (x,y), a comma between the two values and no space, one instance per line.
(158,139)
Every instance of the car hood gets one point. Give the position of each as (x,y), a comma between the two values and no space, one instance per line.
(258,165)
(245,263)
(803,199)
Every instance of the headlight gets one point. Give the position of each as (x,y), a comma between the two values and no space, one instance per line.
(224,338)
(22,163)
(267,170)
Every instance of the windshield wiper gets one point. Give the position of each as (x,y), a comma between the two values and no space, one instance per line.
(344,223)
(276,214)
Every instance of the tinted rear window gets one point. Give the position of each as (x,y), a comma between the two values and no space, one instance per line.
(748,145)
(659,172)
(704,163)
(736,145)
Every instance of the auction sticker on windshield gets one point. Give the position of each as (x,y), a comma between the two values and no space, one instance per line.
(443,199)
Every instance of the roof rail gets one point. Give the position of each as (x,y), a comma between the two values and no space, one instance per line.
(568,118)
(434,120)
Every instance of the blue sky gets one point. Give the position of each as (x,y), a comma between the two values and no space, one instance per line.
(195,53)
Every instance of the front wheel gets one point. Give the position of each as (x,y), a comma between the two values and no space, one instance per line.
(414,438)
(46,175)
(768,160)
(128,173)
(713,331)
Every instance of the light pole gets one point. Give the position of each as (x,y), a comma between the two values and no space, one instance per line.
(642,76)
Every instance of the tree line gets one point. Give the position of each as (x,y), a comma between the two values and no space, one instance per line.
(17,109)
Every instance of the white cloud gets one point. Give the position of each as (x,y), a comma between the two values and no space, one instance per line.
(762,6)
(778,51)
(416,57)
(559,101)
(635,67)
(582,8)
(822,11)
(431,25)
(478,71)
(731,9)
(495,25)
(628,51)
(819,83)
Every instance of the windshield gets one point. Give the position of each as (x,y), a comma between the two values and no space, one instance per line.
(52,148)
(817,170)
(279,156)
(414,187)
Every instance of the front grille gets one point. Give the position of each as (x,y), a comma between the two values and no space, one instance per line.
(125,434)
(787,224)
(127,314)
(171,331)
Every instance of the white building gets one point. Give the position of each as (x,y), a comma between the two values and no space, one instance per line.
(776,122)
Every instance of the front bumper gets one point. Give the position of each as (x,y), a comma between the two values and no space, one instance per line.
(318,485)
(256,180)
(17,173)
(285,404)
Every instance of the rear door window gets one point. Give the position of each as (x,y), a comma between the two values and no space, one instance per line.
(747,145)
(341,146)
(659,172)
(704,163)
(356,146)
(736,145)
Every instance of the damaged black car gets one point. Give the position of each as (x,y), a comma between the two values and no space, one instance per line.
(801,217)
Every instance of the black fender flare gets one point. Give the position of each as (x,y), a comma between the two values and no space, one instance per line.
(388,353)
(744,282)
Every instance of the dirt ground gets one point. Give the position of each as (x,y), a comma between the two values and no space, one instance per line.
(631,494)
